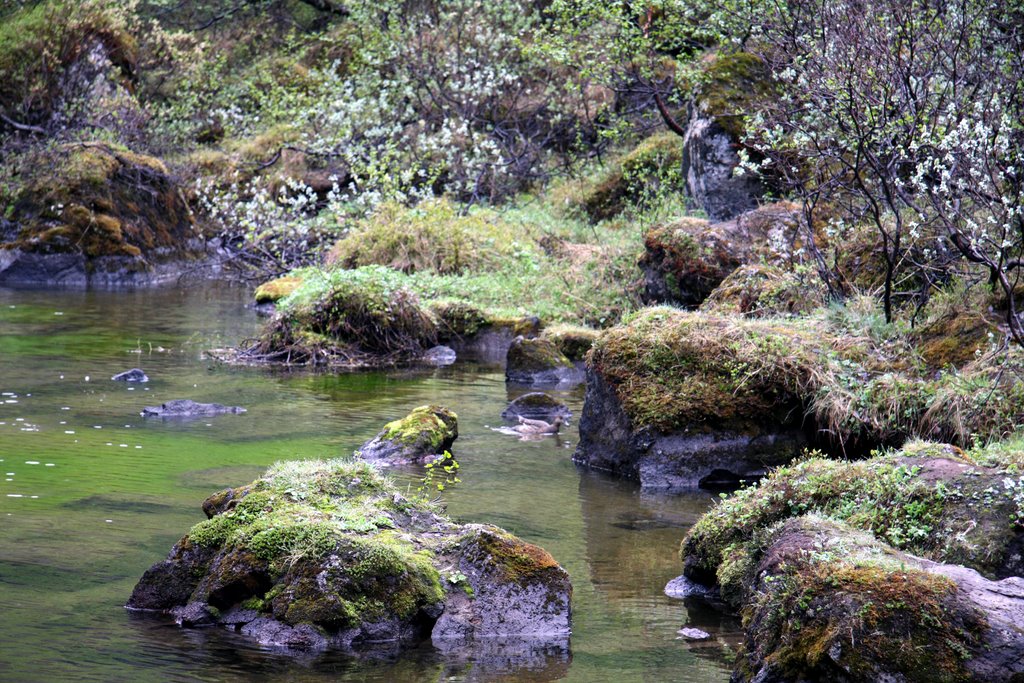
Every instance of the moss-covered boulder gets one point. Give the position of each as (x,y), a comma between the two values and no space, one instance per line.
(828,603)
(730,86)
(674,397)
(929,499)
(100,214)
(758,290)
(687,259)
(644,175)
(420,436)
(679,399)
(476,334)
(274,290)
(538,361)
(329,554)
(357,318)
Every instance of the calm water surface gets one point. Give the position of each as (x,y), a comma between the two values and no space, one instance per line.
(91,495)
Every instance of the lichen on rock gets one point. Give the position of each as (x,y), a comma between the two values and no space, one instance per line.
(419,437)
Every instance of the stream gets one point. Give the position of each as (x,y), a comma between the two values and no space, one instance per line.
(91,494)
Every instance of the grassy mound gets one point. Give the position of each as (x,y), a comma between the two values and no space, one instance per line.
(432,237)
(347,317)
(860,382)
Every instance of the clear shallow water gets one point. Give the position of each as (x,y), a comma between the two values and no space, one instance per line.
(91,494)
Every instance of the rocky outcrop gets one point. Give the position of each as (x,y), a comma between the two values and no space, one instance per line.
(538,361)
(714,132)
(99,215)
(419,437)
(687,259)
(318,555)
(186,408)
(685,459)
(830,603)
(905,566)
(759,290)
(474,334)
(536,405)
(673,400)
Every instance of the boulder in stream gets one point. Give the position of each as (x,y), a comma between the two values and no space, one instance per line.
(909,568)
(419,437)
(536,405)
(133,375)
(329,554)
(185,408)
(539,361)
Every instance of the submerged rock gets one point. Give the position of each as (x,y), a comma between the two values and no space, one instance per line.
(439,355)
(330,554)
(538,361)
(536,405)
(133,375)
(189,408)
(419,437)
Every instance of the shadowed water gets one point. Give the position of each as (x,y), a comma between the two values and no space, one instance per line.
(91,494)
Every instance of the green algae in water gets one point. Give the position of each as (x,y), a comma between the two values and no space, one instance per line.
(117,498)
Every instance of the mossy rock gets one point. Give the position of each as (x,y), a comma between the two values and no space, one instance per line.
(458,319)
(573,341)
(420,436)
(276,289)
(319,554)
(363,317)
(687,259)
(646,173)
(956,338)
(827,602)
(538,361)
(730,86)
(758,290)
(98,201)
(928,499)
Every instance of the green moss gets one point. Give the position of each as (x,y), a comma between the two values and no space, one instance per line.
(425,427)
(536,355)
(363,316)
(516,559)
(762,290)
(856,606)
(276,289)
(638,180)
(731,85)
(100,199)
(458,318)
(926,499)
